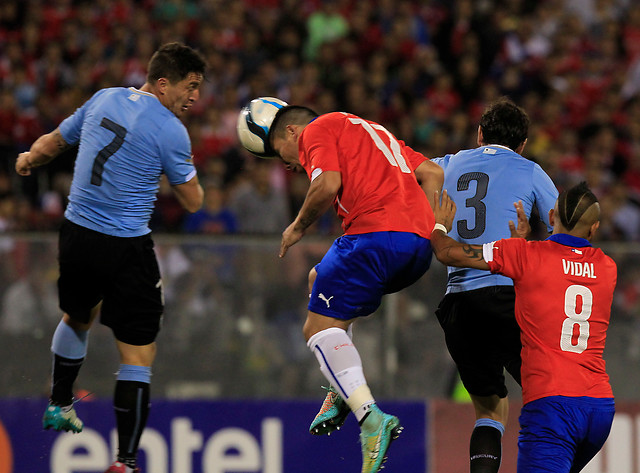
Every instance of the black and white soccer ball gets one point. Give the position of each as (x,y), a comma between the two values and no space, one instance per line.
(254,122)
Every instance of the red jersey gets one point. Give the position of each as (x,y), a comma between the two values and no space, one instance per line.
(564,291)
(379,190)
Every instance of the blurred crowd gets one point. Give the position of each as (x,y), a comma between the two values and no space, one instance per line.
(425,69)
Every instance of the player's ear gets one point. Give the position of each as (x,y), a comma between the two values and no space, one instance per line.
(480,136)
(552,214)
(520,148)
(292,131)
(593,229)
(162,84)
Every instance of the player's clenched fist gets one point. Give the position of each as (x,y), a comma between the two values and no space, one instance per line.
(23,166)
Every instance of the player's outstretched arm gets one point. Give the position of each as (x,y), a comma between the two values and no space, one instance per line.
(447,250)
(321,194)
(43,150)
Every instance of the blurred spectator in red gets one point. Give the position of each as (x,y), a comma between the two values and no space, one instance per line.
(443,97)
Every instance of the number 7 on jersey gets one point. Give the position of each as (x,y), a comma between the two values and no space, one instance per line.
(105,153)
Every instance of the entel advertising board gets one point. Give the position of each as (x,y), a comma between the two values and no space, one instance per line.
(203,437)
(272,437)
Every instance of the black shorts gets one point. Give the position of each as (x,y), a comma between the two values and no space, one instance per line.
(123,273)
(483,337)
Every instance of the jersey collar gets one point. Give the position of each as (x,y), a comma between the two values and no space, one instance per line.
(569,240)
(142,92)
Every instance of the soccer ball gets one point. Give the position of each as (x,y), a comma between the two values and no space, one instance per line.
(254,122)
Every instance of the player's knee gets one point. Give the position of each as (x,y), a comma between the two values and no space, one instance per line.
(76,324)
(314,324)
(491,407)
(143,355)
(317,323)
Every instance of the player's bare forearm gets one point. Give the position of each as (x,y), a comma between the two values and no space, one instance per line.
(453,253)
(305,219)
(294,232)
(447,250)
(43,150)
(322,192)
(48,147)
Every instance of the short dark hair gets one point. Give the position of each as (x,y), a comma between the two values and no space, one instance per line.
(289,115)
(175,61)
(573,203)
(504,123)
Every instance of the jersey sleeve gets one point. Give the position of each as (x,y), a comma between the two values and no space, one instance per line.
(414,158)
(321,145)
(545,193)
(442,161)
(175,153)
(71,127)
(507,257)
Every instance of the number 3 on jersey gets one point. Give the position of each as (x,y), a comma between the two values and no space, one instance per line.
(475,202)
(106,152)
(575,319)
(392,153)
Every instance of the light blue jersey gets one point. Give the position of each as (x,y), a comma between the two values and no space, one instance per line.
(484,183)
(128,139)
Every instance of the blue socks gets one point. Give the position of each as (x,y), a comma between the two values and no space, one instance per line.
(141,374)
(490,423)
(131,404)
(69,343)
(69,348)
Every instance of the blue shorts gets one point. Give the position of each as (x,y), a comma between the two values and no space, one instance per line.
(359,269)
(560,434)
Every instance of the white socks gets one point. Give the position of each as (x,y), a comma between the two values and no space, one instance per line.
(341,365)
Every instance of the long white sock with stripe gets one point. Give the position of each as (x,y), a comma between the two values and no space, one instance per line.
(341,364)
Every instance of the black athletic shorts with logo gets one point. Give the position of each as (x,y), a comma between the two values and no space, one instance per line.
(483,337)
(121,272)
